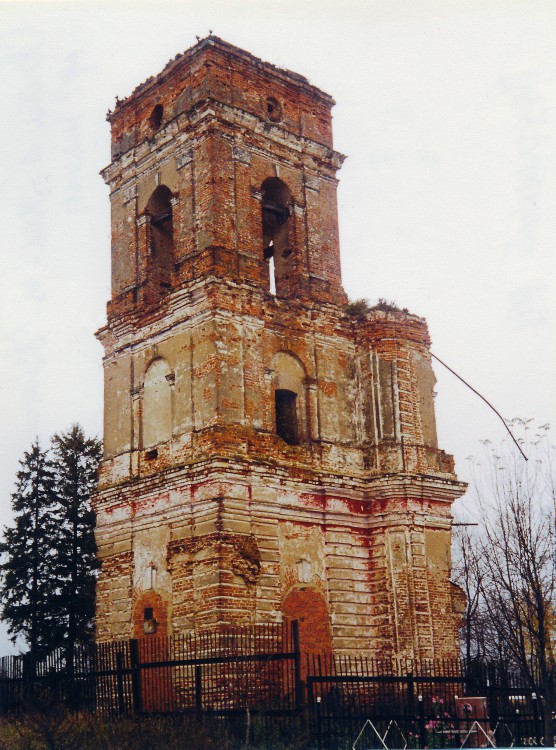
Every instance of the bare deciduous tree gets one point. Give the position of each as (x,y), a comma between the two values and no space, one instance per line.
(468,573)
(508,567)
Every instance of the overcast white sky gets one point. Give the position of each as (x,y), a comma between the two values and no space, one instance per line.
(447,112)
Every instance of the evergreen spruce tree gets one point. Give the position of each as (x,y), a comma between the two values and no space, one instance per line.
(47,573)
(28,583)
(76,460)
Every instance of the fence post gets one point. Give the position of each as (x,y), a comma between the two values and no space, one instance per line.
(199,689)
(73,696)
(410,692)
(422,728)
(120,681)
(297,665)
(28,684)
(492,705)
(319,722)
(135,675)
(29,666)
(536,721)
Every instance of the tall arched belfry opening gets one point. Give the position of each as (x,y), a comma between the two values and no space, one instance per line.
(269,455)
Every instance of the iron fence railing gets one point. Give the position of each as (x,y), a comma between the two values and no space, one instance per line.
(260,671)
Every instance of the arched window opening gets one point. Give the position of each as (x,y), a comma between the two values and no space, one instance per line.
(286,416)
(161,241)
(277,229)
(290,398)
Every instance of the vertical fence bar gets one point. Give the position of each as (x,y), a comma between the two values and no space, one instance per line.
(199,689)
(536,719)
(135,675)
(319,722)
(422,727)
(120,681)
(297,665)
(492,703)
(410,693)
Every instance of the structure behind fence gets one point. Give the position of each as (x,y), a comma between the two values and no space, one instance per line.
(261,669)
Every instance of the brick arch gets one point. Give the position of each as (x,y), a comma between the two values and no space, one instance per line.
(157,689)
(309,607)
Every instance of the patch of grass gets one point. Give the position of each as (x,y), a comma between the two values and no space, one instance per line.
(385,305)
(360,307)
(59,730)
(38,731)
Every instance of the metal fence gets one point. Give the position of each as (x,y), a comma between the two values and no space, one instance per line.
(336,700)
(419,703)
(215,671)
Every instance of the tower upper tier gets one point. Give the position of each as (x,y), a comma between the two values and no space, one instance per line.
(223,166)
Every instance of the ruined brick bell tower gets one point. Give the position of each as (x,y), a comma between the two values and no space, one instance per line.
(268,455)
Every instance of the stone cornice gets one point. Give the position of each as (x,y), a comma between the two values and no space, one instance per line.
(151,153)
(371,492)
(183,305)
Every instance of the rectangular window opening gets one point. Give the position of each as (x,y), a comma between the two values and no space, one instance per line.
(286,416)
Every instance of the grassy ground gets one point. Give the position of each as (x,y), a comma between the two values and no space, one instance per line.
(58,730)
